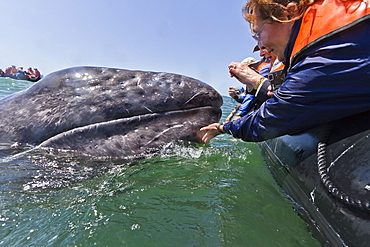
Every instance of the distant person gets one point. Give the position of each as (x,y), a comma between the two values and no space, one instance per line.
(21,74)
(37,73)
(30,71)
(8,71)
(31,74)
(13,71)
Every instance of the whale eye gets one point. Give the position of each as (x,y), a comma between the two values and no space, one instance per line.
(106,77)
(93,83)
(127,105)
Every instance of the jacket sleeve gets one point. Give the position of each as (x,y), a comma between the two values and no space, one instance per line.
(330,83)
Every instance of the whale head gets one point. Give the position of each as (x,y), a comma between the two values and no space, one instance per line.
(108,112)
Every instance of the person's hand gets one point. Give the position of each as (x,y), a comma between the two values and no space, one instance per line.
(244,74)
(232,92)
(228,119)
(209,132)
(270,92)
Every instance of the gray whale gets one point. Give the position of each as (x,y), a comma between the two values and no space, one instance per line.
(108,112)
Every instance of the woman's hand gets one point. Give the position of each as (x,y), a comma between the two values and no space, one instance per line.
(244,74)
(209,132)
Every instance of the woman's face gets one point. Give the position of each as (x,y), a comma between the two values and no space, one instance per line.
(271,35)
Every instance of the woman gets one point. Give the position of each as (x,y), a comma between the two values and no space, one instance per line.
(325,47)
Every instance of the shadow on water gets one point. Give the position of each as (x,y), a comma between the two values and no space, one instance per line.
(219,194)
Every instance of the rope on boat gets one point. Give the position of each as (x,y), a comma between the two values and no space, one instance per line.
(333,190)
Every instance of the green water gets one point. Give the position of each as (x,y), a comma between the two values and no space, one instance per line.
(220,194)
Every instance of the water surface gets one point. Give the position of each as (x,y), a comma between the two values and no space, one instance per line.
(220,194)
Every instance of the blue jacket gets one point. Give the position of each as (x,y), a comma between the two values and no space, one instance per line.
(325,81)
(248,103)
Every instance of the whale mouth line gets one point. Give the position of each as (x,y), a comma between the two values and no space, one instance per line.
(125,125)
(123,118)
(148,114)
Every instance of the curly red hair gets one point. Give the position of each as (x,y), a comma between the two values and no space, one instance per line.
(272,9)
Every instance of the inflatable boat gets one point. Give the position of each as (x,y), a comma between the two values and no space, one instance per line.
(326,172)
(25,77)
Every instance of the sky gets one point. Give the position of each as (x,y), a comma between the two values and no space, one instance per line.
(196,38)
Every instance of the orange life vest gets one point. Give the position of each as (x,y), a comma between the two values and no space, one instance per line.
(261,65)
(326,17)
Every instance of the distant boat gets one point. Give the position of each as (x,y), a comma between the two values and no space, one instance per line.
(24,77)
